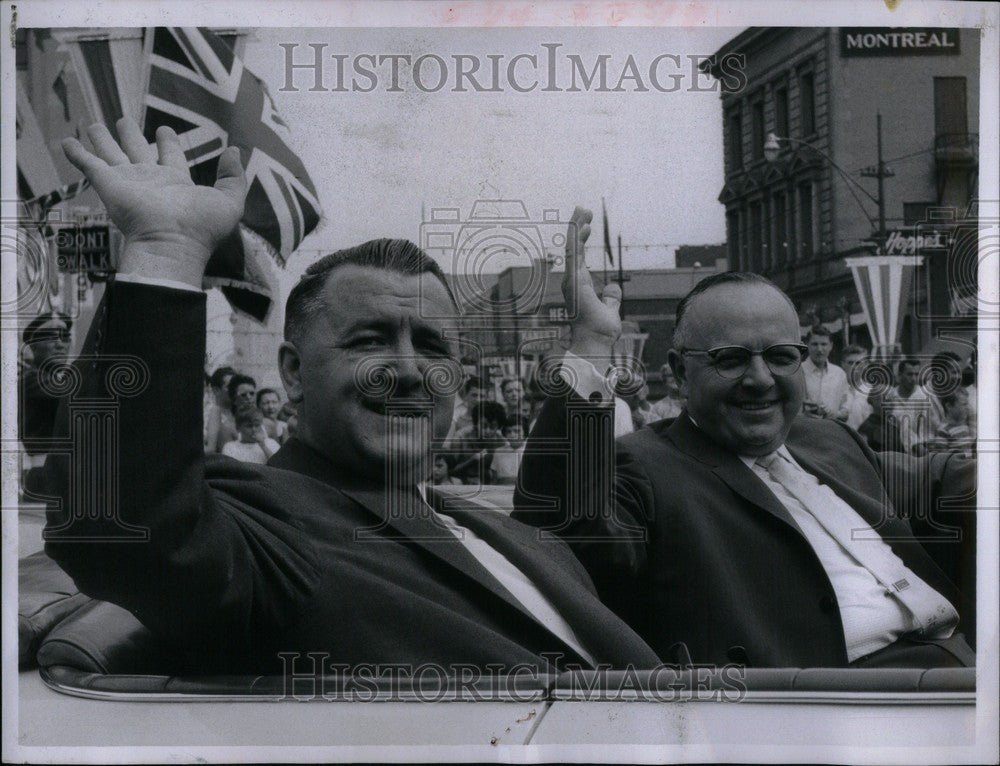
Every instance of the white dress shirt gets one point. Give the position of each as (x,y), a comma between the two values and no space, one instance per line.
(827,386)
(873,614)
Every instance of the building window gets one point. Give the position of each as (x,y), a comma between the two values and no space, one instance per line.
(757,129)
(915,212)
(779,242)
(781,111)
(735,140)
(733,236)
(807,103)
(755,261)
(807,222)
(951,123)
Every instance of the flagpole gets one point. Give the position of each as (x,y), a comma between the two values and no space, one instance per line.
(621,279)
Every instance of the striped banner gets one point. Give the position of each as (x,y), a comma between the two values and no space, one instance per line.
(109,67)
(884,284)
(36,172)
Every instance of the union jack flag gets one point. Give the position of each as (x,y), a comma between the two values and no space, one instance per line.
(200,88)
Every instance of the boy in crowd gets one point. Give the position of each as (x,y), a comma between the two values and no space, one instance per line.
(253,445)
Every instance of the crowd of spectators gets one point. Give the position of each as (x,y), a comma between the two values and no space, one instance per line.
(242,421)
(904,405)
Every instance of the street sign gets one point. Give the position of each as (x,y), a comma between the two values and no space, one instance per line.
(84,248)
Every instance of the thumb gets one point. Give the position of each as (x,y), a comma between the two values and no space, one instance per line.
(611,296)
(229,177)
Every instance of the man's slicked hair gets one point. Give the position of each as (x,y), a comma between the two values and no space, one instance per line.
(305,300)
(716,280)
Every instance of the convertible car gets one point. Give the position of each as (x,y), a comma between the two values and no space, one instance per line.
(94,684)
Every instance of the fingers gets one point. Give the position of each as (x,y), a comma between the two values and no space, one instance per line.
(105,145)
(230,177)
(134,142)
(169,148)
(82,159)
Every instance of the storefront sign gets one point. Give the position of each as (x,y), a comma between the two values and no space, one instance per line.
(84,248)
(909,242)
(890,41)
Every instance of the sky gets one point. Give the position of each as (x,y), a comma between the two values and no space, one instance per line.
(383,159)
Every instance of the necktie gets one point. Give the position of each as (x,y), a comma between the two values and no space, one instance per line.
(934,614)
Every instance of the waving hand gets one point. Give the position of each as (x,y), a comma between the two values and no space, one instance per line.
(596,325)
(170,225)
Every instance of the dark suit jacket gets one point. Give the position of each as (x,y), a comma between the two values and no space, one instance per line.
(245,561)
(693,548)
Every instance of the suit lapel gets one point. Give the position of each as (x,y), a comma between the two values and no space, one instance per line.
(412,523)
(418,526)
(572,597)
(727,466)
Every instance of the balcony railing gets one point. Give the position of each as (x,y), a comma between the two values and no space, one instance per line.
(957,149)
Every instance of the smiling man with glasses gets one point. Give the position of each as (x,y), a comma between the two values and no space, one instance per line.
(740,531)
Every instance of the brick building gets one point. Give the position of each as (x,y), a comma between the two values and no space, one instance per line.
(796,219)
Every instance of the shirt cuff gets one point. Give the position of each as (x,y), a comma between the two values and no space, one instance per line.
(156,282)
(581,375)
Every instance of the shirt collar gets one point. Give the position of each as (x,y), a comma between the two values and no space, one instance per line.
(782,451)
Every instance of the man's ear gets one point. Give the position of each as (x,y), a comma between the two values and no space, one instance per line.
(290,368)
(676,362)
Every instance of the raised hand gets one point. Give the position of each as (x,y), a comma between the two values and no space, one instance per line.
(596,324)
(170,225)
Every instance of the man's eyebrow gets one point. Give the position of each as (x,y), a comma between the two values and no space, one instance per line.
(368,323)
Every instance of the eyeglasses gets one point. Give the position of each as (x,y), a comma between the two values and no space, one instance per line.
(732,362)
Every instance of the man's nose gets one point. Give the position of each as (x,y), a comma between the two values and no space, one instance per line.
(409,369)
(758,374)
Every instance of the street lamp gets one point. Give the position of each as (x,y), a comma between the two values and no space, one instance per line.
(773,147)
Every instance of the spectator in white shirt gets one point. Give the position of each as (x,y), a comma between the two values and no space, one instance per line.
(911,408)
(855,359)
(507,458)
(254,445)
(826,383)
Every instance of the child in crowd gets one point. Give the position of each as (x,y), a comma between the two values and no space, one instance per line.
(507,458)
(441,472)
(253,445)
